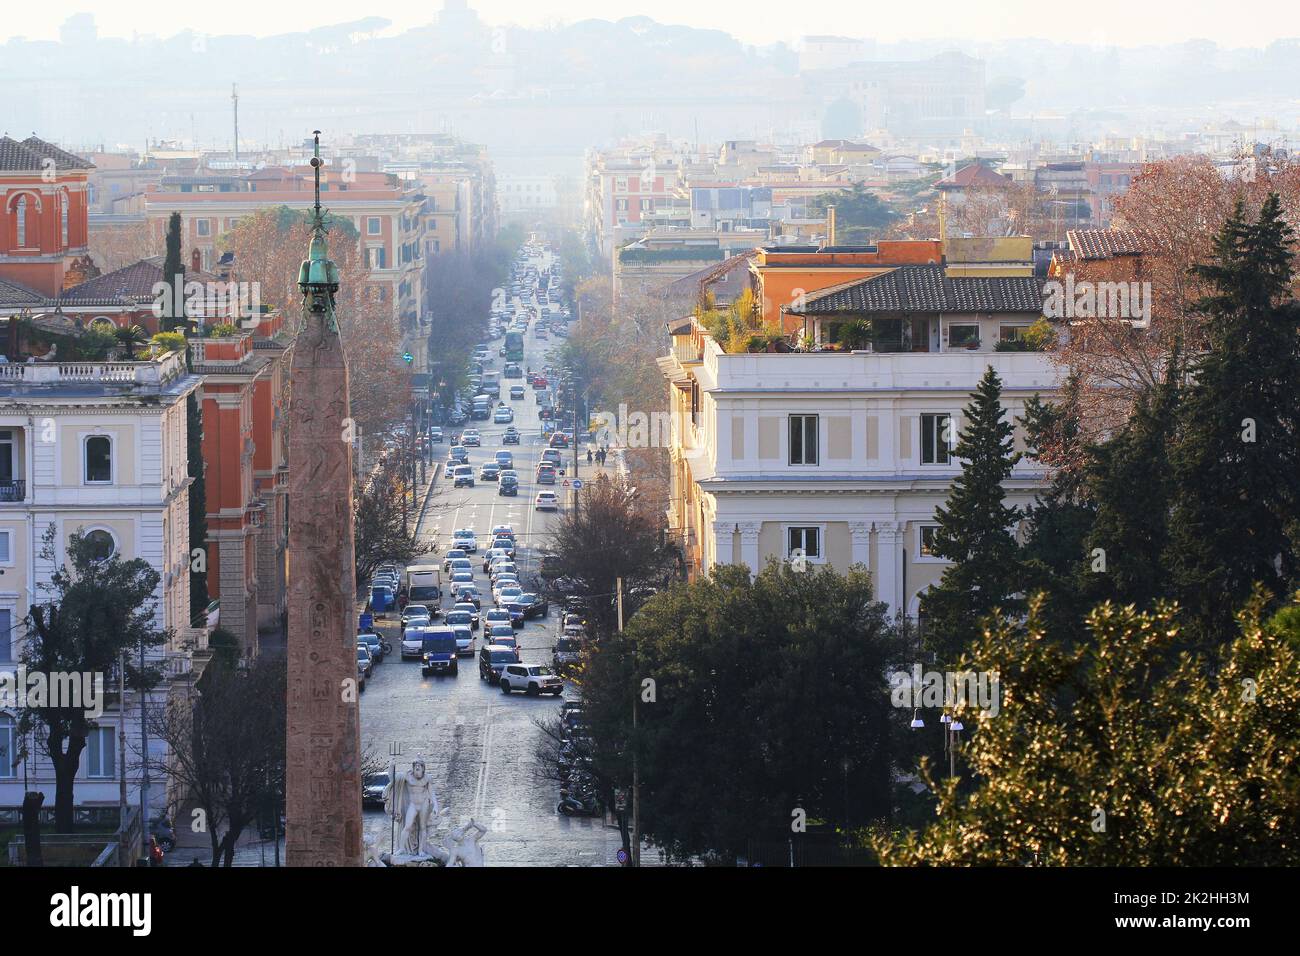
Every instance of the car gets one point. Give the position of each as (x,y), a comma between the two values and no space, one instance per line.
(382,600)
(460,564)
(470,594)
(508,595)
(491,555)
(552,457)
(559,440)
(472,608)
(460,579)
(533,679)
(497,615)
(535,605)
(503,531)
(490,471)
(516,614)
(499,565)
(462,477)
(504,460)
(455,619)
(375,643)
(545,475)
(416,620)
(502,633)
(567,651)
(440,652)
(541,335)
(512,370)
(505,544)
(465,539)
(470,438)
(493,659)
(458,455)
(508,485)
(503,416)
(511,437)
(516,392)
(452,555)
(435,435)
(539,381)
(546,501)
(365,660)
(373,786)
(505,576)
(464,640)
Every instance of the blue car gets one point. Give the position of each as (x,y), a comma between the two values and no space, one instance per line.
(381,600)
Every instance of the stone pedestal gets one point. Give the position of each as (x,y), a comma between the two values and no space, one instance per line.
(323,799)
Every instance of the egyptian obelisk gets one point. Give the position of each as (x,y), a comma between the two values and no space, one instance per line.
(323,752)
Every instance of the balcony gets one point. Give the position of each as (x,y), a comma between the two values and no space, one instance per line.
(13,489)
(155,373)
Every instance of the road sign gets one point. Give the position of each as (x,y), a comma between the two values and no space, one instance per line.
(621,856)
(566,482)
(577,483)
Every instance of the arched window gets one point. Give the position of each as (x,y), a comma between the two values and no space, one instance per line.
(63,218)
(20,213)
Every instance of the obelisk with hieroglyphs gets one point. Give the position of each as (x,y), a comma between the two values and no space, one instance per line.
(323,736)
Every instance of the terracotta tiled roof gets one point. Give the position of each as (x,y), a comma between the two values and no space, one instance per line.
(975,174)
(927,289)
(130,284)
(1105,243)
(31,153)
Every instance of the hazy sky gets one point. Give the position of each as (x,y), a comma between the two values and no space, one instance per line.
(1118,22)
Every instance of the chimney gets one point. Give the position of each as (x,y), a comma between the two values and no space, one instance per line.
(830,225)
(196,261)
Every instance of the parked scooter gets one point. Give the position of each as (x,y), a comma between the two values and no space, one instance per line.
(577,803)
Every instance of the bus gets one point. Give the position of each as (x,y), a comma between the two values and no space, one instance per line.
(514,347)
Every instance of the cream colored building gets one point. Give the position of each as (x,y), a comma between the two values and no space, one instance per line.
(98,447)
(841,455)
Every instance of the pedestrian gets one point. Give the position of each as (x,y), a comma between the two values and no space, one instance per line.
(589,456)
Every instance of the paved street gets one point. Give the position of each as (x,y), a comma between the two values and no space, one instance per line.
(480,745)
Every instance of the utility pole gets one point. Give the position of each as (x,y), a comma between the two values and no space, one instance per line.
(145,823)
(636,766)
(234,99)
(122,847)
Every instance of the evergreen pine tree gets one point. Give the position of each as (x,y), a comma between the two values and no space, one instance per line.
(1130,482)
(976,530)
(1237,458)
(173,267)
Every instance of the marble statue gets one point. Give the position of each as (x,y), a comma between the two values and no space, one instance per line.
(409,797)
(462,845)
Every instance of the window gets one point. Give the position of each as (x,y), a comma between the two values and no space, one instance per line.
(6,457)
(372,225)
(99,460)
(375,257)
(620,205)
(1011,333)
(8,638)
(803,439)
(961,336)
(102,545)
(805,541)
(63,219)
(925,546)
(203,227)
(6,553)
(101,757)
(8,747)
(936,438)
(647,204)
(20,211)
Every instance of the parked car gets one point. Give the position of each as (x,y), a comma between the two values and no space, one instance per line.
(375,643)
(533,679)
(365,660)
(372,789)
(361,675)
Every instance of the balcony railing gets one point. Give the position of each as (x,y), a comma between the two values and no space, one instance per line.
(15,489)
